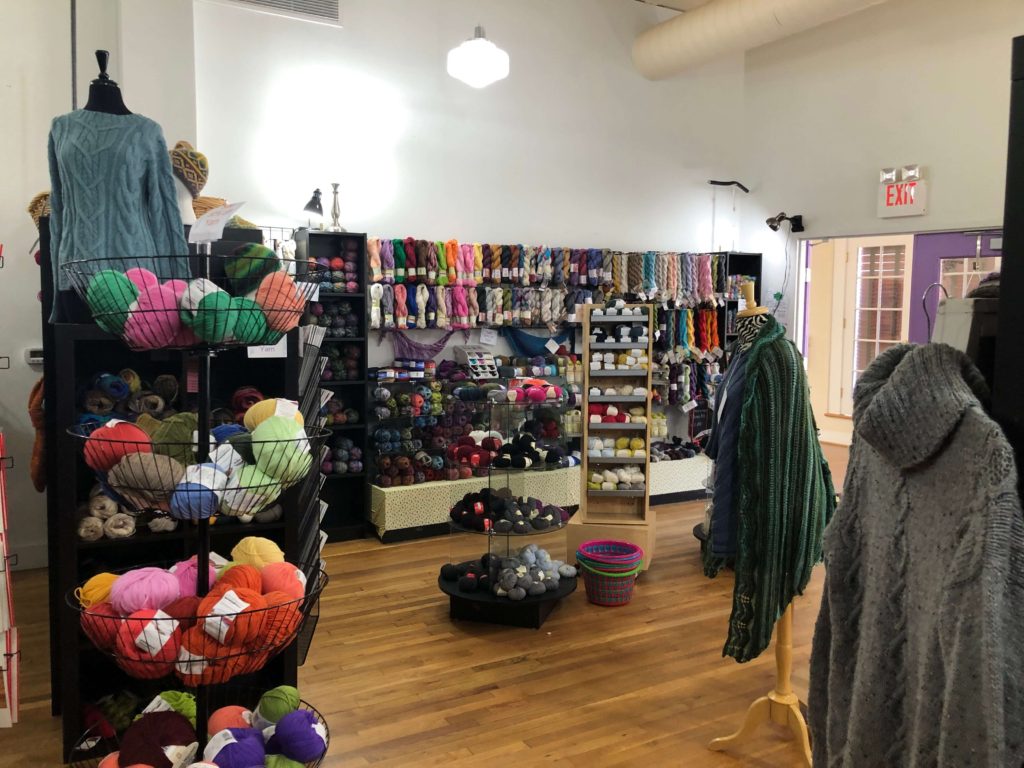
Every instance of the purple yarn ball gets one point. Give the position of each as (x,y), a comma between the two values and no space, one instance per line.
(299,736)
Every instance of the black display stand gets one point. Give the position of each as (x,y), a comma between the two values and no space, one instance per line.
(531,612)
(80,673)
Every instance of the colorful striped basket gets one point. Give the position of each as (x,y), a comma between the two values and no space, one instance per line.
(609,570)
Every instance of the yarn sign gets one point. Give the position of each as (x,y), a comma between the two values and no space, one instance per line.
(210,225)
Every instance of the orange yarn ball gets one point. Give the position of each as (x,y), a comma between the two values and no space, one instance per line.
(110,761)
(202,660)
(283,619)
(147,644)
(280,301)
(100,623)
(234,617)
(283,577)
(244,576)
(229,717)
(185,610)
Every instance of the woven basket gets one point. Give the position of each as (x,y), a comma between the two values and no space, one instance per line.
(608,588)
(610,552)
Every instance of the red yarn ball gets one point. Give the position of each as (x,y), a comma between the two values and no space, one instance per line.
(185,610)
(282,621)
(147,644)
(108,444)
(233,618)
(283,577)
(100,623)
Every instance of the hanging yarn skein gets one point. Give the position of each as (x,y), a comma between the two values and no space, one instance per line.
(422,298)
(399,252)
(373,257)
(376,294)
(441,251)
(473,305)
(440,307)
(387,261)
(387,306)
(412,266)
(412,309)
(401,309)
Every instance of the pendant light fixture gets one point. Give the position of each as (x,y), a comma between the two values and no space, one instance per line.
(478,62)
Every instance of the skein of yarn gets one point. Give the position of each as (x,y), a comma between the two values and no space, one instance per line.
(157,736)
(96,590)
(144,589)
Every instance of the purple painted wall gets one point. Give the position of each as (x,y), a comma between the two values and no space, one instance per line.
(929,250)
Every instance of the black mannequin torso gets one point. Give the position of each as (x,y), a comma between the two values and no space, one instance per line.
(104,95)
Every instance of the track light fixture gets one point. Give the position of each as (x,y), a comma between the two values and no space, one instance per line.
(796,223)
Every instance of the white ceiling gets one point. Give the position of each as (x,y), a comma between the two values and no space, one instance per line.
(678,5)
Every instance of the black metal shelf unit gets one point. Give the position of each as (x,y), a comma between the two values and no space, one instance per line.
(72,351)
(347,495)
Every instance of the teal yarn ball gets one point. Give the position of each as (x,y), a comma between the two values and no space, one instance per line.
(206,309)
(110,296)
(250,322)
(248,265)
(249,491)
(282,449)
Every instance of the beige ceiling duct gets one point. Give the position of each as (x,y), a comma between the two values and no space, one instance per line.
(730,26)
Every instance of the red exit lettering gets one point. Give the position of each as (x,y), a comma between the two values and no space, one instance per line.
(897,195)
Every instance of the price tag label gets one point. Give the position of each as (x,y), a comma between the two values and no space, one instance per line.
(717,352)
(689,406)
(551,346)
(210,225)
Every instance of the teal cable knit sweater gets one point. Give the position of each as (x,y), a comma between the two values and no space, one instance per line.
(112,194)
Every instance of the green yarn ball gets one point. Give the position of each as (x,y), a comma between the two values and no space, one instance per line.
(276,703)
(249,491)
(249,264)
(110,295)
(282,449)
(178,701)
(206,309)
(175,437)
(280,761)
(250,322)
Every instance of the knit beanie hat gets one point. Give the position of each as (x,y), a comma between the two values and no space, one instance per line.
(39,206)
(190,166)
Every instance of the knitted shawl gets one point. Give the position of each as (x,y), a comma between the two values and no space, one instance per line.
(785,495)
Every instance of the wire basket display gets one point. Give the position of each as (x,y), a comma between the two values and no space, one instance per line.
(245,473)
(183,302)
(98,742)
(234,630)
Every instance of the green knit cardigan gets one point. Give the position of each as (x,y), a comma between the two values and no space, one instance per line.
(785,495)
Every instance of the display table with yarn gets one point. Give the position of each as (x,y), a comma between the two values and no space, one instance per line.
(251,296)
(153,623)
(248,728)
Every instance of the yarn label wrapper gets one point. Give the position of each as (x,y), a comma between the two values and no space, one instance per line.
(286,408)
(158,704)
(226,610)
(181,755)
(218,742)
(155,634)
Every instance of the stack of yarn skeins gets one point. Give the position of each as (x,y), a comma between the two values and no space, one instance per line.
(263,303)
(153,624)
(337,318)
(532,572)
(248,466)
(345,458)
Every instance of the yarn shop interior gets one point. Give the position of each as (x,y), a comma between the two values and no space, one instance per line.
(591,383)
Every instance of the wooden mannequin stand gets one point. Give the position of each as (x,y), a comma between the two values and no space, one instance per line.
(781,706)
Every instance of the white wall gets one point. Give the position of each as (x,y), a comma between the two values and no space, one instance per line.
(909,81)
(574,148)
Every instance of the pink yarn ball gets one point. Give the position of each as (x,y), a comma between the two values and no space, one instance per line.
(283,577)
(144,589)
(177,287)
(141,277)
(154,320)
(187,574)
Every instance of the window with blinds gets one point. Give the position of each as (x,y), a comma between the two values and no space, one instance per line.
(879,310)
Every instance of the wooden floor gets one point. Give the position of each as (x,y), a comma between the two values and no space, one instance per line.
(401,685)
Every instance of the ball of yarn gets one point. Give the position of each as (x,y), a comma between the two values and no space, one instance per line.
(90,528)
(200,659)
(300,736)
(101,505)
(244,576)
(283,577)
(192,501)
(282,619)
(96,589)
(257,551)
(111,761)
(149,739)
(248,265)
(275,704)
(154,320)
(174,701)
(222,432)
(280,761)
(282,304)
(147,644)
(187,573)
(175,437)
(250,322)
(100,622)
(229,717)
(274,406)
(141,278)
(282,449)
(185,609)
(108,444)
(119,526)
(146,480)
(249,491)
(205,764)
(234,616)
(205,309)
(236,748)
(109,295)
(144,589)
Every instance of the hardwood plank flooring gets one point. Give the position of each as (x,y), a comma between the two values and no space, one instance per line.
(401,685)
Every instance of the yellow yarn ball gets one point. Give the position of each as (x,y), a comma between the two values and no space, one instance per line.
(96,590)
(264,409)
(256,551)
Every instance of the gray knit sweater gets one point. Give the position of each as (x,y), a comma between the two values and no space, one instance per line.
(918,654)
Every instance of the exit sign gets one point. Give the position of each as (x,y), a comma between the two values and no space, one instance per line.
(902,198)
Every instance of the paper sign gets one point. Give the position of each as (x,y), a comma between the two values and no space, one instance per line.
(551,346)
(689,406)
(488,336)
(270,350)
(210,225)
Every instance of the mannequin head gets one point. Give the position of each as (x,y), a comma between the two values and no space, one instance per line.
(104,95)
(751,319)
(188,213)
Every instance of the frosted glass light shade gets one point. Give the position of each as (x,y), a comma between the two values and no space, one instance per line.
(478,62)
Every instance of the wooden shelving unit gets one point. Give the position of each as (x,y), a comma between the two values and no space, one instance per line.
(625,515)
